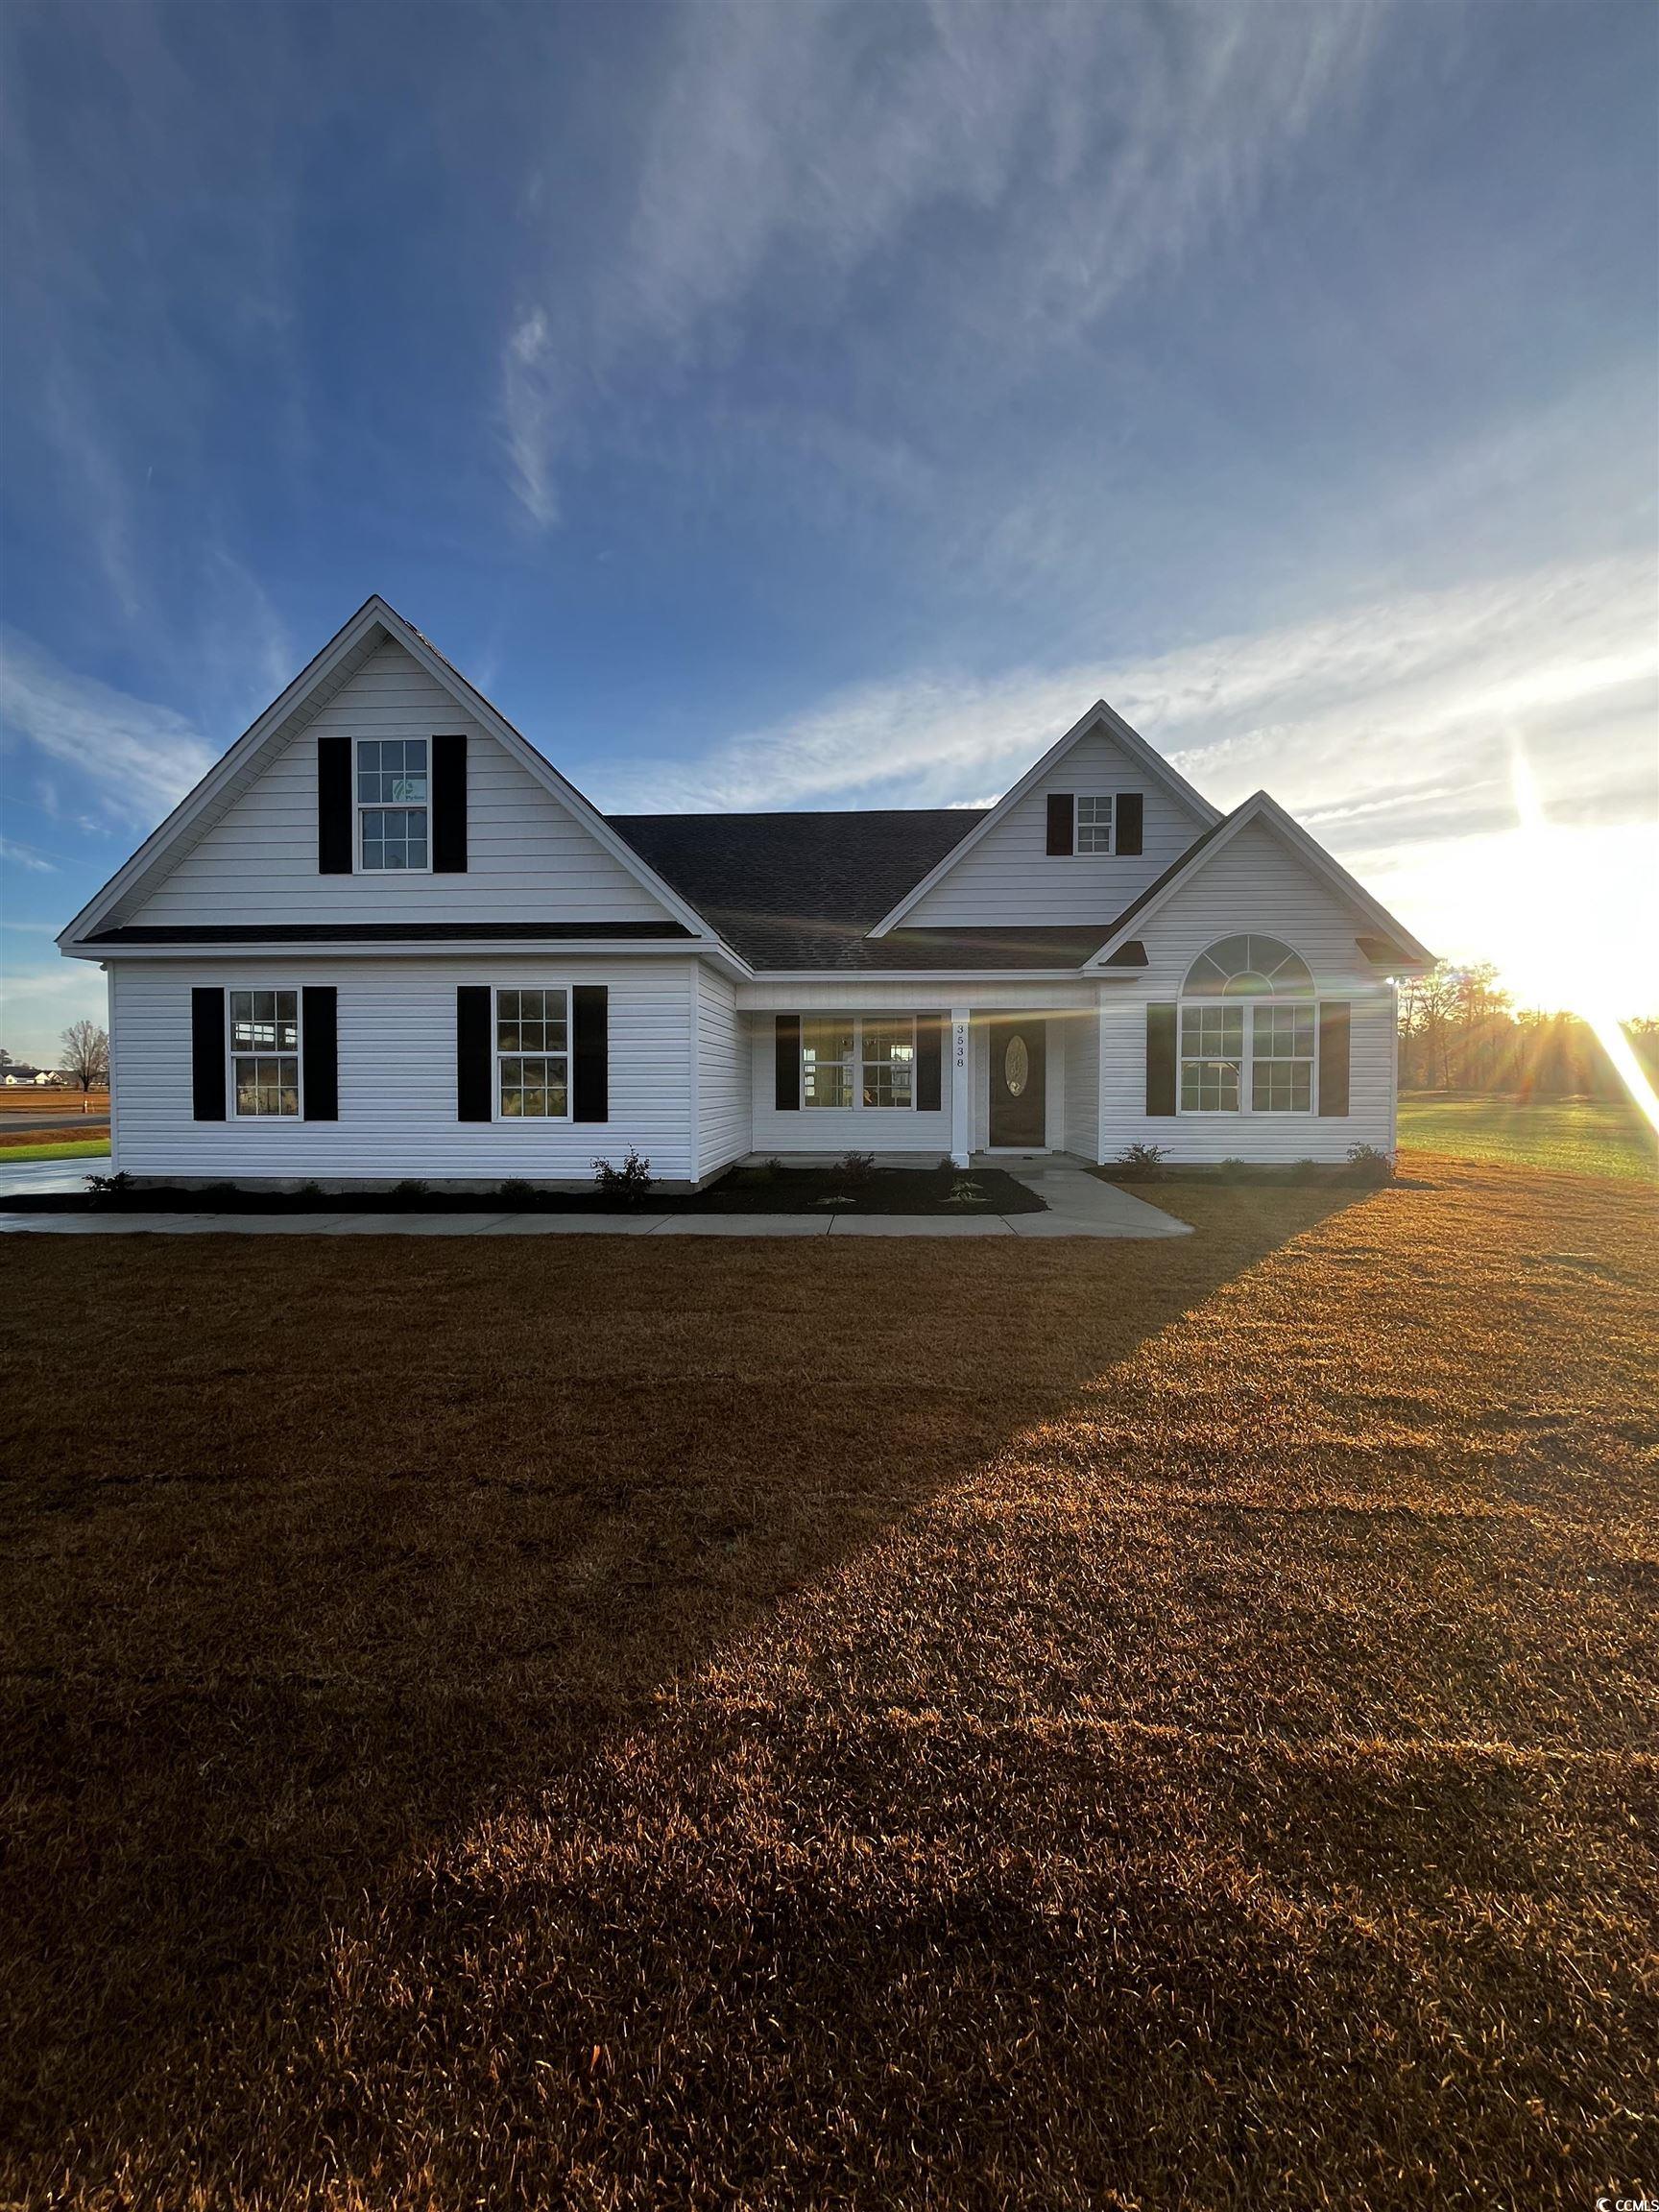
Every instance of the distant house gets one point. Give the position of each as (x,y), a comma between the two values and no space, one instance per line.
(384,937)
(18,1075)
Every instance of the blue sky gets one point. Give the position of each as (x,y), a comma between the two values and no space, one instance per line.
(819,406)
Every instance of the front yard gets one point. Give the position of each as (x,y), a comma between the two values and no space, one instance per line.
(633,1723)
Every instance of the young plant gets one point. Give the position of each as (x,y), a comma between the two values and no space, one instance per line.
(857,1166)
(410,1190)
(1370,1164)
(626,1185)
(1146,1159)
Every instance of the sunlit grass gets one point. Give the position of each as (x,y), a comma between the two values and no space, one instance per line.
(615,1726)
(1573,1135)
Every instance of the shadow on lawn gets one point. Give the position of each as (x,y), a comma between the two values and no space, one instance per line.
(325,1551)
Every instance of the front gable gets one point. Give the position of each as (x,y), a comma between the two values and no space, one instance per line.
(527,854)
(1259,870)
(1005,872)
(247,850)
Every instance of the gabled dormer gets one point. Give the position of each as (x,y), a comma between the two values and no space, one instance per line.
(1098,818)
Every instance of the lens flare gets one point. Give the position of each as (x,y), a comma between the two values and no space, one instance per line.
(1591,1004)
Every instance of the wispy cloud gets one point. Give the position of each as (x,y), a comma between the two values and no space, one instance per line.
(1045,160)
(26,857)
(1390,721)
(130,761)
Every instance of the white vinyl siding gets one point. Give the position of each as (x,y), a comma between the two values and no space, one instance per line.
(528,857)
(723,1072)
(1255,883)
(1009,876)
(397,1048)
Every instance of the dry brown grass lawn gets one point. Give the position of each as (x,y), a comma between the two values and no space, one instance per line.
(686,1723)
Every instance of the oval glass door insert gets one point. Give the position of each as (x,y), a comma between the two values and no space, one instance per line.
(1016,1066)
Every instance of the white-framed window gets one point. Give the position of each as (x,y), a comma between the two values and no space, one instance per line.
(888,1058)
(394,803)
(1094,823)
(263,1034)
(858,1061)
(1282,1059)
(829,1046)
(1249,1029)
(533,1055)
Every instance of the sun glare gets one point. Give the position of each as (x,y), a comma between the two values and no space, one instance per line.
(1547,856)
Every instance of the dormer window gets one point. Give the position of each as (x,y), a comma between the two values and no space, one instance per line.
(392,799)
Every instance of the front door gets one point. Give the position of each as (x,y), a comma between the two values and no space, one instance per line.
(1019,1119)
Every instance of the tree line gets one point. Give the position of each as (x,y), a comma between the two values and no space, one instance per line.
(1459,1030)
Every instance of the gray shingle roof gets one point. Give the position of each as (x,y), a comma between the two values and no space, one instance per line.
(802,891)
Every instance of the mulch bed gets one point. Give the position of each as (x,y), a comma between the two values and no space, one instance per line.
(884,1190)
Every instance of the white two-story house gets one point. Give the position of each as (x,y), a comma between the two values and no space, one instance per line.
(384,938)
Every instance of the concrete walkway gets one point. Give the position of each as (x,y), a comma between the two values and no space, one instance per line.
(1079,1205)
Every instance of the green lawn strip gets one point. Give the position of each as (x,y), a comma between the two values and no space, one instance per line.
(1577,1136)
(78,1149)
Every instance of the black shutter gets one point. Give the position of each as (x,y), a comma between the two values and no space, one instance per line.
(1333,1027)
(449,806)
(334,805)
(1129,808)
(207,1054)
(1160,1059)
(929,1062)
(472,1078)
(1061,811)
(320,1050)
(590,1027)
(786,1051)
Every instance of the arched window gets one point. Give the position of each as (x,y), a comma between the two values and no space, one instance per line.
(1248,967)
(1271,1033)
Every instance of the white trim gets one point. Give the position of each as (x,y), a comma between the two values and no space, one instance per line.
(1099,716)
(858,1018)
(360,808)
(496,1056)
(423,949)
(961,1085)
(1260,807)
(232,1112)
(373,614)
(1247,1110)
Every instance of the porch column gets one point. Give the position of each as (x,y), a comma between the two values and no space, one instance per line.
(960,1096)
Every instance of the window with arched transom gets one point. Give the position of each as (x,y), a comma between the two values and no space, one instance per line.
(1248,1029)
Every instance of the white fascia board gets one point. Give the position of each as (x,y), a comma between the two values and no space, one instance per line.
(223,773)
(1261,807)
(1099,716)
(427,949)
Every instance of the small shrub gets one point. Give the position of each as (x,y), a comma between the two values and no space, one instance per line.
(1370,1164)
(219,1193)
(1145,1159)
(627,1184)
(110,1185)
(411,1187)
(772,1166)
(309,1191)
(857,1166)
(515,1192)
(965,1192)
